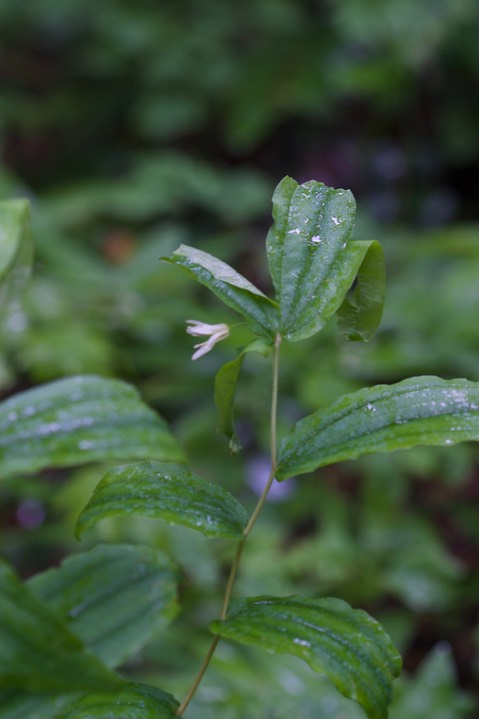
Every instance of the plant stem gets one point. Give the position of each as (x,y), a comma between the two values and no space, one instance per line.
(274,403)
(199,676)
(231,579)
(239,551)
(273,438)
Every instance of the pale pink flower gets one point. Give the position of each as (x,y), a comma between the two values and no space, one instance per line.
(215,333)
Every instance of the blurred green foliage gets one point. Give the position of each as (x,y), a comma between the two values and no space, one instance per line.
(136,126)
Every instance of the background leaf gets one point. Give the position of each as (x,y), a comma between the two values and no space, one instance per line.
(166,491)
(16,249)
(37,651)
(78,420)
(18,704)
(114,598)
(419,410)
(311,260)
(231,287)
(346,644)
(135,701)
(432,690)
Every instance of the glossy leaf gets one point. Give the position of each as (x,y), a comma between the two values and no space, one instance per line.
(16,249)
(225,388)
(419,410)
(37,650)
(312,261)
(231,287)
(165,491)
(346,644)
(360,314)
(78,420)
(135,701)
(114,597)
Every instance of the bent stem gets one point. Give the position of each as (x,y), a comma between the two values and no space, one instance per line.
(252,520)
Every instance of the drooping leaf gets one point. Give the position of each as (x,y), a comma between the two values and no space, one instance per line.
(166,491)
(37,650)
(419,410)
(135,701)
(311,258)
(226,380)
(16,248)
(78,420)
(113,596)
(231,287)
(360,315)
(225,388)
(346,644)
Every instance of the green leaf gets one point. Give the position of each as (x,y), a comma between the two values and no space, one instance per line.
(419,410)
(346,644)
(360,315)
(311,259)
(166,491)
(135,701)
(37,651)
(113,596)
(226,380)
(16,248)
(78,420)
(17,704)
(433,690)
(225,388)
(231,287)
